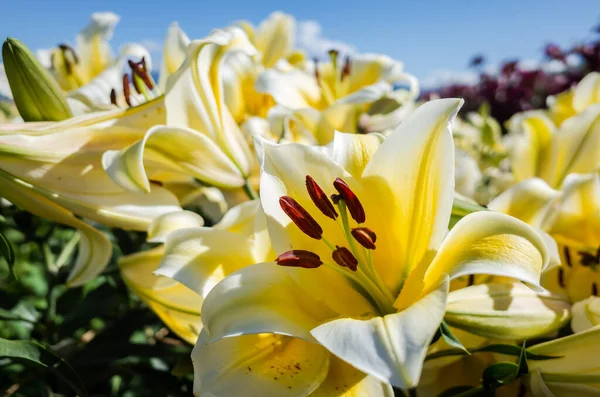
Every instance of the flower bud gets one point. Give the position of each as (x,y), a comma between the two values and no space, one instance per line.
(506,311)
(37,95)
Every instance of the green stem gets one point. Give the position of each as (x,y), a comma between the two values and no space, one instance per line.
(249,190)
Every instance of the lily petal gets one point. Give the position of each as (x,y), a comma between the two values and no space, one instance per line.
(540,387)
(586,314)
(390,348)
(414,170)
(354,151)
(174,53)
(194,94)
(578,353)
(163,225)
(506,311)
(343,380)
(176,305)
(575,147)
(171,149)
(490,243)
(587,92)
(274,38)
(258,365)
(576,216)
(528,201)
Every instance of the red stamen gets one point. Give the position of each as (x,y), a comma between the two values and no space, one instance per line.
(365,237)
(320,199)
(355,208)
(346,69)
(299,258)
(113,97)
(301,217)
(343,257)
(126,89)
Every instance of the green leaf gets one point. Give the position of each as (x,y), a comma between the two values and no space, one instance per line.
(450,338)
(522,363)
(32,353)
(499,374)
(462,208)
(8,253)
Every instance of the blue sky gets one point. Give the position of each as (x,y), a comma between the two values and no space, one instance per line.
(430,37)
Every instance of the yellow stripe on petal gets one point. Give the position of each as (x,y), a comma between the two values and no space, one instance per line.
(410,185)
(490,243)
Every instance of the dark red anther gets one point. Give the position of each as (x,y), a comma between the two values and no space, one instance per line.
(299,258)
(346,69)
(320,199)
(365,237)
(343,257)
(113,97)
(316,61)
(301,217)
(355,208)
(66,48)
(126,89)
(139,69)
(594,289)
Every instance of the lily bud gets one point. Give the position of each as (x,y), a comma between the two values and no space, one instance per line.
(37,95)
(506,311)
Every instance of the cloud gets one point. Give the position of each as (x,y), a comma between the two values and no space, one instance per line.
(443,77)
(310,38)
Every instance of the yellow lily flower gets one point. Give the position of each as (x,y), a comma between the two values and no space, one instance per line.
(575,373)
(92,54)
(539,149)
(333,95)
(576,100)
(572,217)
(54,170)
(375,309)
(274,42)
(201,139)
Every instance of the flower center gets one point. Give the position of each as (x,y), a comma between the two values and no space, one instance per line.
(335,86)
(142,83)
(353,261)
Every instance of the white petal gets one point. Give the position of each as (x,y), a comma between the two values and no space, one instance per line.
(390,348)
(163,225)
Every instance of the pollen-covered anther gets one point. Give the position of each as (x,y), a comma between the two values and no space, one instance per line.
(365,237)
(320,199)
(301,217)
(299,258)
(355,208)
(343,257)
(140,70)
(113,97)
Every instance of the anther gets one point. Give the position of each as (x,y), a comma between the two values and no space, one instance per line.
(126,89)
(316,61)
(346,69)
(113,97)
(299,258)
(471,280)
(365,237)
(568,256)
(561,277)
(139,69)
(343,257)
(355,208)
(68,49)
(594,289)
(301,217)
(320,199)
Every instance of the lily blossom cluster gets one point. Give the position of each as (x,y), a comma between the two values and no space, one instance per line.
(313,229)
